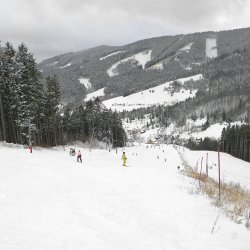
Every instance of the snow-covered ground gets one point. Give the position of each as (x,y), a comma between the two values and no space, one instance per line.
(233,169)
(153,96)
(112,54)
(52,64)
(65,66)
(49,201)
(213,131)
(160,64)
(186,48)
(85,82)
(92,95)
(141,58)
(211,47)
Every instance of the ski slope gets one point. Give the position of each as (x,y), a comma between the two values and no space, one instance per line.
(213,131)
(160,64)
(186,48)
(211,48)
(49,201)
(112,54)
(141,58)
(93,95)
(86,82)
(65,66)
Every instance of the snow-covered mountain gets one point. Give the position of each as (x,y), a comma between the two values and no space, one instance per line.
(201,75)
(128,69)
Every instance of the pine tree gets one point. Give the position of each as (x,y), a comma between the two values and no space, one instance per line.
(28,89)
(7,97)
(52,97)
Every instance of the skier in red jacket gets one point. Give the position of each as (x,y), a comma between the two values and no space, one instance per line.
(30,148)
(79,156)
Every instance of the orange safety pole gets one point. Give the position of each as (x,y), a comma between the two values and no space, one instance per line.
(207,165)
(219,167)
(201,165)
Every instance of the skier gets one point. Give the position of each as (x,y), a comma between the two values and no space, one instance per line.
(124,158)
(30,148)
(79,156)
(72,152)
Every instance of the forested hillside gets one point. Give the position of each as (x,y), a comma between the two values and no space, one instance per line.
(127,69)
(30,112)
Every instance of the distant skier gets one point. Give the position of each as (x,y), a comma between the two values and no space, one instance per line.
(72,152)
(30,148)
(124,158)
(79,156)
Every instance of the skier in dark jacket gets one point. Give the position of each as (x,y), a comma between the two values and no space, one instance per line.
(72,152)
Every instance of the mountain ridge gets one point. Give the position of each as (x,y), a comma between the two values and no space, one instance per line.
(171,57)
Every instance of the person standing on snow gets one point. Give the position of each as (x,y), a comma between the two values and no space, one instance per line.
(30,148)
(72,152)
(124,158)
(79,156)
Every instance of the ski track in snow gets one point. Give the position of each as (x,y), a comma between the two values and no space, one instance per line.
(49,201)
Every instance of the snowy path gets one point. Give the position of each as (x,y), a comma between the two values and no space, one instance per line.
(48,201)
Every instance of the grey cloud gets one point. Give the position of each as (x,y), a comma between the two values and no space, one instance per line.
(51,27)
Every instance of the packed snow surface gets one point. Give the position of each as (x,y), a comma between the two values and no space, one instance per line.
(153,96)
(141,58)
(99,92)
(112,54)
(49,201)
(85,82)
(211,47)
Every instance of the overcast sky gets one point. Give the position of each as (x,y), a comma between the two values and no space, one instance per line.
(53,27)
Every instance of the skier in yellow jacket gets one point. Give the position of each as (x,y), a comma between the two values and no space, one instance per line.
(124,158)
